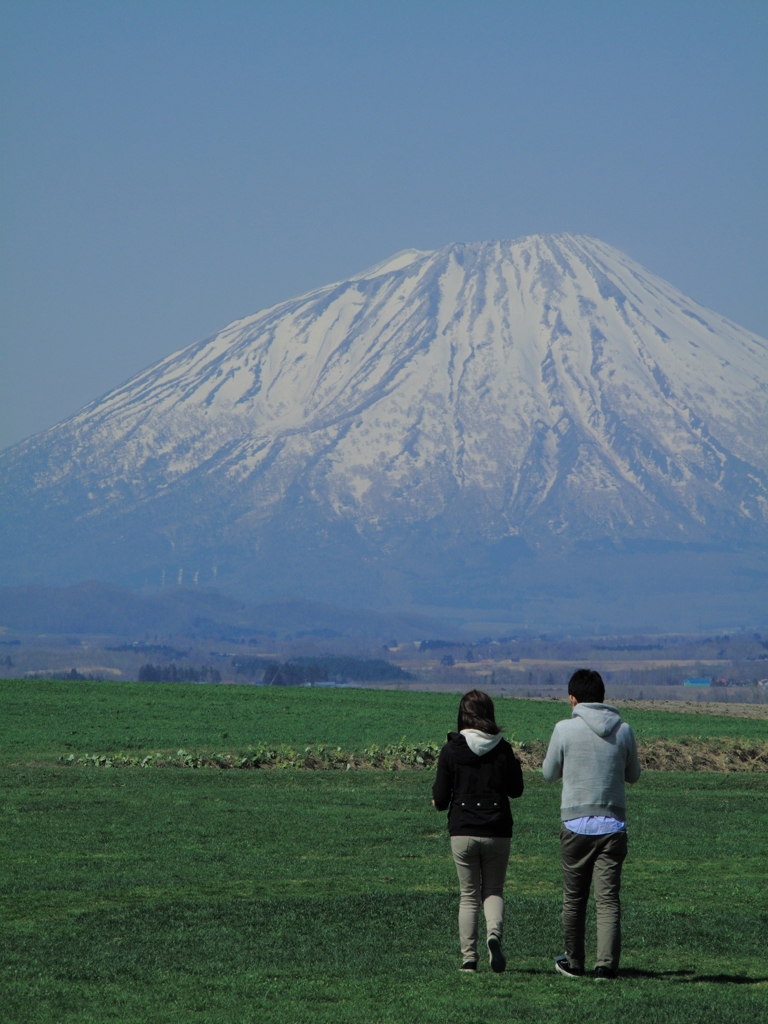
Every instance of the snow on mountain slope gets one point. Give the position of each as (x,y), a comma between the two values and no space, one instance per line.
(548,387)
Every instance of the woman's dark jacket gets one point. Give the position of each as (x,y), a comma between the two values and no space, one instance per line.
(476,788)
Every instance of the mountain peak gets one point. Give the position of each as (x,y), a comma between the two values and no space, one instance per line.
(544,391)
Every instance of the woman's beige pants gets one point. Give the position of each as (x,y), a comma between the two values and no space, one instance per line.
(481,863)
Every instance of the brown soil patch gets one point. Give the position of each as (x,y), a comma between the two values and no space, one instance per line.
(686,707)
(691,707)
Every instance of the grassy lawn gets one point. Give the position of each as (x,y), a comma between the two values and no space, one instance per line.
(167,895)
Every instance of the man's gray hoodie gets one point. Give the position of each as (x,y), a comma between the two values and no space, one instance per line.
(594,753)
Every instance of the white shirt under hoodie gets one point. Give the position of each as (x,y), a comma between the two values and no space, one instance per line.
(480,742)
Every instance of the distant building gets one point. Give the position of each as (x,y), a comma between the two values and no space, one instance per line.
(703,681)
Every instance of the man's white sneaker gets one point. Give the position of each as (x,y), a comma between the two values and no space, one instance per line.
(563,967)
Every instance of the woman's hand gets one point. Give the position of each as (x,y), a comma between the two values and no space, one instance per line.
(433,803)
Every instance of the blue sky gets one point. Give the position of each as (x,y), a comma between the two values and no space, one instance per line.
(168,167)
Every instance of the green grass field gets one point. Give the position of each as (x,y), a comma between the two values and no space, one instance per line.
(48,719)
(171,895)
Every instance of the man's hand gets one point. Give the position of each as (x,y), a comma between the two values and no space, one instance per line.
(433,803)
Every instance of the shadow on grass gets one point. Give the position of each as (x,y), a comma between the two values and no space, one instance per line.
(689,976)
(728,979)
(678,976)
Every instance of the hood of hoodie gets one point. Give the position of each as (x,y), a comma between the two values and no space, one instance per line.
(480,742)
(602,719)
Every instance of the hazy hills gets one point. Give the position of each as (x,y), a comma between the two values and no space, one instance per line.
(105,609)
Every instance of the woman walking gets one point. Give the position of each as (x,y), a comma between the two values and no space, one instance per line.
(477,772)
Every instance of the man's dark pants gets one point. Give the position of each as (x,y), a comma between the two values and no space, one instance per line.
(586,858)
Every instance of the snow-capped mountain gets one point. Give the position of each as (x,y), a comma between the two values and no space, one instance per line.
(547,389)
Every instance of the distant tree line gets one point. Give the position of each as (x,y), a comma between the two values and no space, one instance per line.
(290,674)
(74,674)
(139,647)
(251,667)
(298,671)
(182,674)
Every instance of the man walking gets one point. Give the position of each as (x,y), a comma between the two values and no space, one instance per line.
(594,753)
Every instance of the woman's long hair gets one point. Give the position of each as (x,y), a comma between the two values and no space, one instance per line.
(476,712)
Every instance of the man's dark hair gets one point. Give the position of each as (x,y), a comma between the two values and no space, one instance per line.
(476,711)
(587,686)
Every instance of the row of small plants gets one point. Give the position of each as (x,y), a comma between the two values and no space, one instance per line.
(392,758)
(659,755)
